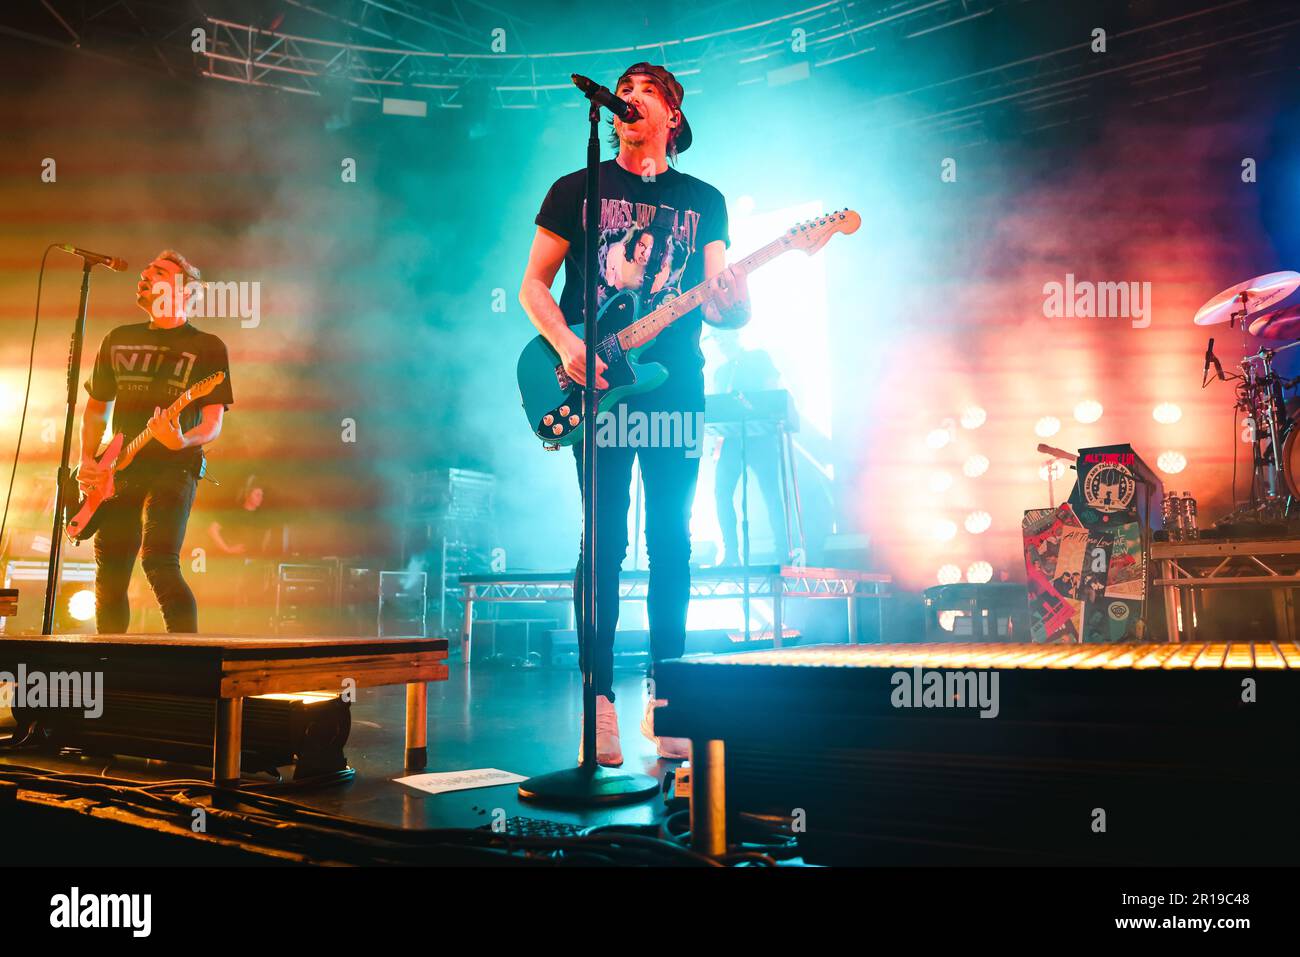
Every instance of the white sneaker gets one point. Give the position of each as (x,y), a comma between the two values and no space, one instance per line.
(609,751)
(671,749)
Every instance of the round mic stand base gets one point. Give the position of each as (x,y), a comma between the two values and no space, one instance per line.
(589,787)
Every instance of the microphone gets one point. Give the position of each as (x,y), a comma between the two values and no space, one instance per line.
(95,259)
(598,94)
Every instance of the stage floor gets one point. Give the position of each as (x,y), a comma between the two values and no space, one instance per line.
(525,721)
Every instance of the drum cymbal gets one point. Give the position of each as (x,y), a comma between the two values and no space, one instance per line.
(1261,292)
(1277,324)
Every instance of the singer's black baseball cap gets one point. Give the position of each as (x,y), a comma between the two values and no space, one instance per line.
(672,91)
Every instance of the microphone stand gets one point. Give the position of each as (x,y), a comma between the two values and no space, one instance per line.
(64,474)
(589,784)
(744,515)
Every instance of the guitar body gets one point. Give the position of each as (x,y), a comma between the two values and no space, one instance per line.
(84,520)
(546,391)
(553,402)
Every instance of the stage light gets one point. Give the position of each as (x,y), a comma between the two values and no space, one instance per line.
(1088,411)
(81,605)
(972,417)
(745,205)
(1171,463)
(979,573)
(975,466)
(938,438)
(940,482)
(943,530)
(1167,413)
(948,619)
(949,575)
(1058,469)
(1047,426)
(978,522)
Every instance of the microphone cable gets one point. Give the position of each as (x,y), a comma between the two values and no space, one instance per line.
(27,394)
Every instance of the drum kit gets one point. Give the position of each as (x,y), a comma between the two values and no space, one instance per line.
(1260,392)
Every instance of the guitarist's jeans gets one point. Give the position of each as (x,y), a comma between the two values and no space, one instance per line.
(668,475)
(147,516)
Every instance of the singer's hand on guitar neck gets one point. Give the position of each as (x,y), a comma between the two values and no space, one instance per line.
(729,306)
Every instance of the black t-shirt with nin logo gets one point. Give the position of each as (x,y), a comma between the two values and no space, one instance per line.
(139,368)
(637,252)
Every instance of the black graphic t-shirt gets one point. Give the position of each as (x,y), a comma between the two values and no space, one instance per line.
(637,252)
(141,368)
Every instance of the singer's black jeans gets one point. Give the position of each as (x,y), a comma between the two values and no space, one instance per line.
(146,516)
(668,475)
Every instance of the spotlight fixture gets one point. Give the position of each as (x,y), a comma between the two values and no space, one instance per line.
(1171,463)
(1088,411)
(1167,413)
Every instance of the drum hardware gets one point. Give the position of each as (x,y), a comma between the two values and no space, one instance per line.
(1259,390)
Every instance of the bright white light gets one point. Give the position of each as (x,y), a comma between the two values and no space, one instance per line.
(1058,469)
(940,482)
(949,575)
(81,605)
(977,522)
(948,619)
(972,417)
(979,572)
(943,530)
(1171,463)
(938,438)
(1088,411)
(745,205)
(1167,413)
(975,466)
(1047,426)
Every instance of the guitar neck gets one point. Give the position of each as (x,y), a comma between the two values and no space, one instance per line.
(652,323)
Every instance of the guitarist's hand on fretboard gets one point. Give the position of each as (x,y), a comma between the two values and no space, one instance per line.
(166,429)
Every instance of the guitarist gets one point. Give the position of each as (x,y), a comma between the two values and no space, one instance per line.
(663,231)
(139,371)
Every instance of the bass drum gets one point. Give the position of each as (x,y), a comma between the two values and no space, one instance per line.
(1291,460)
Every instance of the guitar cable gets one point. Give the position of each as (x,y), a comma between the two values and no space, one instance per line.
(27,395)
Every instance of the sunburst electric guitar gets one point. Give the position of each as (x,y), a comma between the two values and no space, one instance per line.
(553,402)
(83,524)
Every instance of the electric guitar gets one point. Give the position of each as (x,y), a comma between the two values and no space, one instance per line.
(553,402)
(83,524)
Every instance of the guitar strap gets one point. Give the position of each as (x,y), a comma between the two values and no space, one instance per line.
(660,228)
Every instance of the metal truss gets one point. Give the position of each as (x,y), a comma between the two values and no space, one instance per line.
(764,581)
(441,51)
(1228,564)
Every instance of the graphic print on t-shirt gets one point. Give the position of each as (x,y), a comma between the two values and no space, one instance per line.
(137,367)
(634,255)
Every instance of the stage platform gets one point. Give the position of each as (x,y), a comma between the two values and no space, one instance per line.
(226,669)
(773,583)
(525,721)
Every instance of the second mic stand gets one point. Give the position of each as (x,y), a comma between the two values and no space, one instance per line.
(64,473)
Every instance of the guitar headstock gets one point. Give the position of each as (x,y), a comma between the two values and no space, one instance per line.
(813,234)
(201,388)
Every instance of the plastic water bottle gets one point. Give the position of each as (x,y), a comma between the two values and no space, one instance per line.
(1190,532)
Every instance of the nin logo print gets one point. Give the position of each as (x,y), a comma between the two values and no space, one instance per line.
(140,363)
